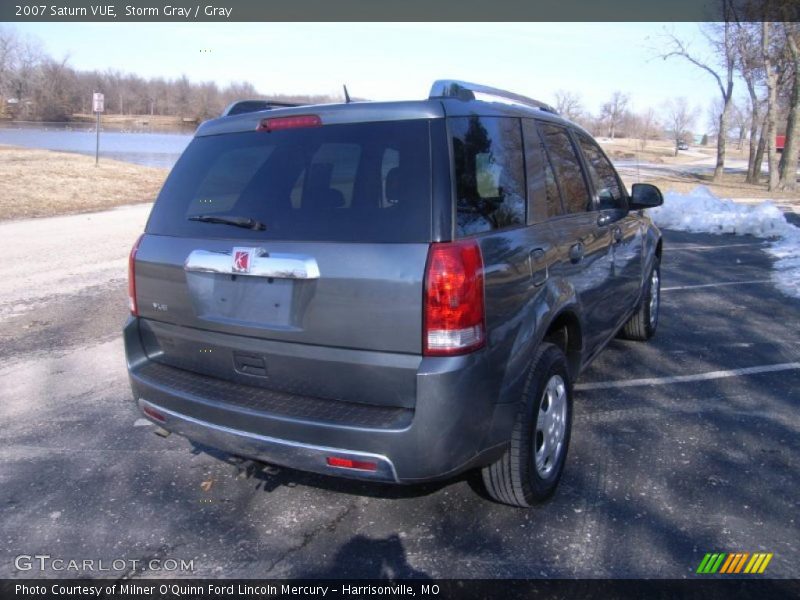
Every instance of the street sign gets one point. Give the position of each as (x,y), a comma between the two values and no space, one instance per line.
(98,100)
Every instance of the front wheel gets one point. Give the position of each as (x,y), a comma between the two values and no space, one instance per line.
(642,325)
(529,471)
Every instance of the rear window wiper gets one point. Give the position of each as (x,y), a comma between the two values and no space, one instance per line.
(245,222)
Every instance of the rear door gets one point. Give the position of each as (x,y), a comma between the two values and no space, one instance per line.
(501,207)
(584,241)
(346,216)
(625,228)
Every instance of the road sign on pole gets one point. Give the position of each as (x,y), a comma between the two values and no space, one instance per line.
(98,102)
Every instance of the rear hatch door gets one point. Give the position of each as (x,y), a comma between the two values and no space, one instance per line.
(313,235)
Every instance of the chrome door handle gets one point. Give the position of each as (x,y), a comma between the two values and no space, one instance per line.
(576,252)
(539,273)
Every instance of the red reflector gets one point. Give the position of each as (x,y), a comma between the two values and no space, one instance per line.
(132,278)
(153,414)
(278,123)
(453,310)
(361,465)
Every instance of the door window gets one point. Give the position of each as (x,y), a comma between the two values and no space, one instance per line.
(567,168)
(606,183)
(544,199)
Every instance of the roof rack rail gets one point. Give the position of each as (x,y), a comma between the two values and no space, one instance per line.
(245,106)
(464,90)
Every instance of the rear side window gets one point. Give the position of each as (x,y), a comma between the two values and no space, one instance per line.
(606,184)
(567,168)
(360,182)
(544,199)
(490,179)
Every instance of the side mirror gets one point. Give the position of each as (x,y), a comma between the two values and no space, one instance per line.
(645,195)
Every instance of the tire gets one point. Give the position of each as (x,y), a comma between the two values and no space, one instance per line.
(529,471)
(642,325)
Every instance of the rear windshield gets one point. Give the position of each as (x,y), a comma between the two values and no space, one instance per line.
(362,182)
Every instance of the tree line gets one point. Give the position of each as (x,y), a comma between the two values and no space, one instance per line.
(757,45)
(35,86)
(754,48)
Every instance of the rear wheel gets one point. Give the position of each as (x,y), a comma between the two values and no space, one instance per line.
(529,471)
(642,325)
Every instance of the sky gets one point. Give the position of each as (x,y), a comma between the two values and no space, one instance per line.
(388,61)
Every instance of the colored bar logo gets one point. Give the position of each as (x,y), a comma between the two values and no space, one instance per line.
(733,563)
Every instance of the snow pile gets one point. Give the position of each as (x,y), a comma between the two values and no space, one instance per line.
(700,211)
(787,267)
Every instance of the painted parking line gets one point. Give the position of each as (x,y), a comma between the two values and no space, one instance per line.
(719,284)
(602,385)
(693,247)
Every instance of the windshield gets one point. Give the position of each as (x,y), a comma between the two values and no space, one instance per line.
(365,182)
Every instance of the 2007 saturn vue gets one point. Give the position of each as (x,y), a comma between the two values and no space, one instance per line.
(392,291)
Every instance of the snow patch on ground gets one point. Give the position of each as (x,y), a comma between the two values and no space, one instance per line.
(787,267)
(700,211)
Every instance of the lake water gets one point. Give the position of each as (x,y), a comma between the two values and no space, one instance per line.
(143,147)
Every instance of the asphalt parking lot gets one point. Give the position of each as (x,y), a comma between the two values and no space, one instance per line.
(660,471)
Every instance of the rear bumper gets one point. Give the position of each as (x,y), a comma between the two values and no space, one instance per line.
(455,424)
(306,457)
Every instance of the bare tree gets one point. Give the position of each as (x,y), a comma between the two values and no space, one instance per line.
(53,93)
(749,63)
(646,126)
(771,78)
(740,117)
(713,113)
(760,149)
(788,163)
(183,95)
(207,101)
(679,119)
(719,36)
(28,56)
(8,48)
(613,112)
(569,105)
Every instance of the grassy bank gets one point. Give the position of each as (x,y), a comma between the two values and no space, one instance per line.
(663,151)
(655,151)
(134,122)
(159,122)
(43,183)
(732,185)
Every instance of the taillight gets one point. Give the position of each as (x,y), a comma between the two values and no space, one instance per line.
(294,122)
(154,414)
(453,312)
(132,278)
(347,463)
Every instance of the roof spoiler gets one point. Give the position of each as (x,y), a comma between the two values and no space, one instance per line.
(464,90)
(246,106)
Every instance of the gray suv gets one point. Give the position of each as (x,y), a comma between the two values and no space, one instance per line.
(390,291)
